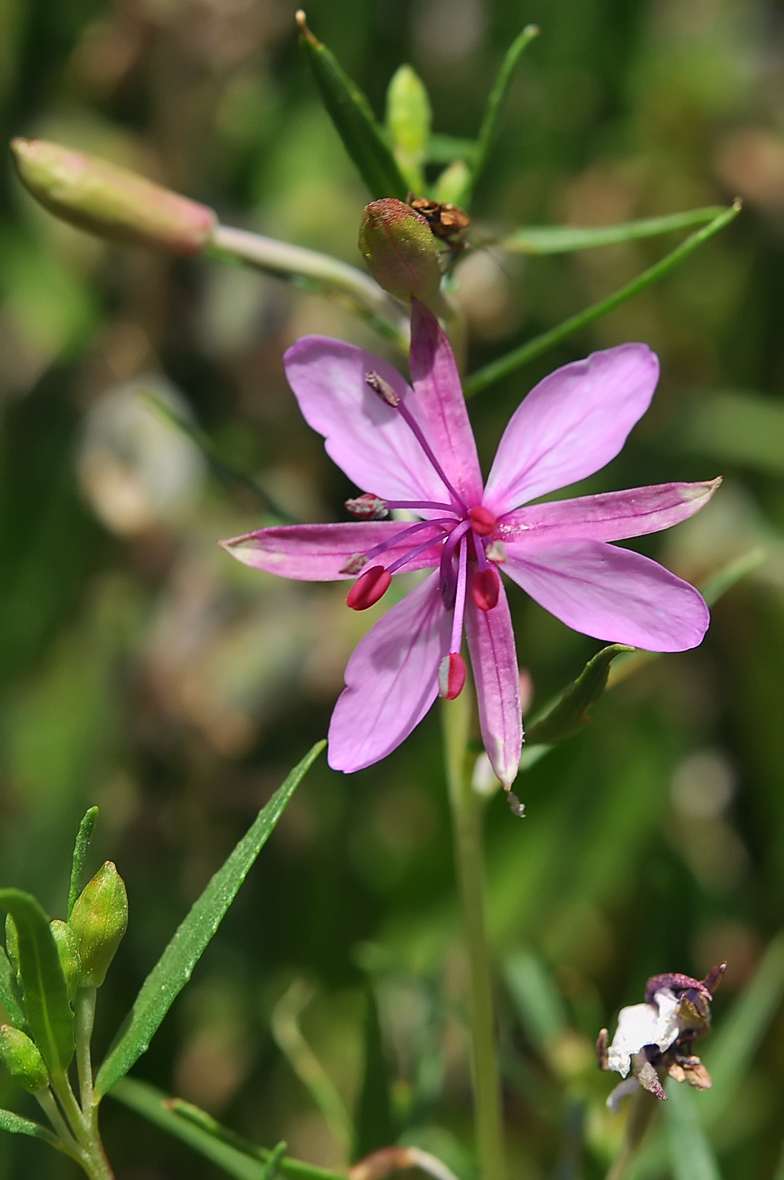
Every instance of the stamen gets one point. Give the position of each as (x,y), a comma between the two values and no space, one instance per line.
(448,580)
(401,561)
(451,676)
(409,532)
(414,504)
(369,588)
(485,588)
(387,393)
(353,564)
(368,507)
(482,520)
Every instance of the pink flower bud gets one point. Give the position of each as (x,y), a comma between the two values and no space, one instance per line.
(110,201)
(400,249)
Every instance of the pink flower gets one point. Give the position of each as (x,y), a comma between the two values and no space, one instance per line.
(414,449)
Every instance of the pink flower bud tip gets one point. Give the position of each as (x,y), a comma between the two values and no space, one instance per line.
(111,201)
(451,676)
(369,588)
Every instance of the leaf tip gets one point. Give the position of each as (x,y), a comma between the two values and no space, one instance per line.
(302,24)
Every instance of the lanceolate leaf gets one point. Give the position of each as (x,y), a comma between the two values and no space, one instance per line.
(9,993)
(495,106)
(81,848)
(518,357)
(173,969)
(19,1126)
(569,713)
(45,996)
(354,120)
(235,1155)
(563,239)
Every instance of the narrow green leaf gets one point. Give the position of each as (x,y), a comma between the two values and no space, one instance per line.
(495,105)
(354,120)
(45,995)
(537,1001)
(445,149)
(19,1126)
(450,185)
(731,1050)
(563,239)
(569,713)
(235,1155)
(9,992)
(174,968)
(374,1127)
(81,848)
(691,1155)
(513,360)
(408,123)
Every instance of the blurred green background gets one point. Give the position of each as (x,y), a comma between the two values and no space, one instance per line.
(143,670)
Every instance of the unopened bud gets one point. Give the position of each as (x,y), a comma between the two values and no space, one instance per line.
(22,1059)
(68,953)
(110,201)
(400,250)
(99,920)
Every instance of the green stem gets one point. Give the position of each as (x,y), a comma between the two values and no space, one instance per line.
(513,360)
(642,1108)
(84,1007)
(467,820)
(52,1111)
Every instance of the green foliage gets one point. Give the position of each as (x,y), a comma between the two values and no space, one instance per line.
(691,1155)
(81,848)
(174,968)
(563,239)
(9,992)
(408,124)
(567,716)
(49,1014)
(373,1124)
(19,1126)
(355,123)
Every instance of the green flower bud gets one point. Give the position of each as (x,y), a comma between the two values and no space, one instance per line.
(99,920)
(111,201)
(12,942)
(68,953)
(22,1059)
(400,250)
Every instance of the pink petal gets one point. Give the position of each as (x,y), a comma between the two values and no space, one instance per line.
(610,516)
(391,680)
(611,594)
(439,397)
(317,552)
(368,439)
(571,424)
(494,661)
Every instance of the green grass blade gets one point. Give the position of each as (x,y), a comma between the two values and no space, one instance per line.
(537,1001)
(81,848)
(9,992)
(174,968)
(495,106)
(564,239)
(235,1155)
(373,1122)
(569,713)
(49,1014)
(731,1050)
(350,111)
(19,1126)
(691,1155)
(518,357)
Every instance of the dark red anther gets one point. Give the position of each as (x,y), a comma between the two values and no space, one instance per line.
(368,507)
(484,588)
(451,676)
(368,588)
(482,521)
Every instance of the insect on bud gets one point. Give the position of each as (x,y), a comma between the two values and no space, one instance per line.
(369,588)
(99,920)
(110,201)
(22,1059)
(452,674)
(484,588)
(399,247)
(68,953)
(368,507)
